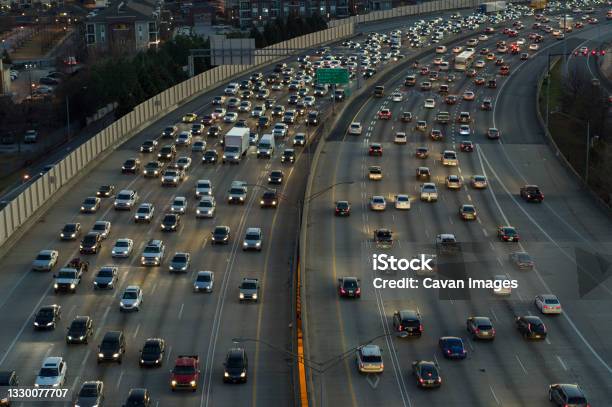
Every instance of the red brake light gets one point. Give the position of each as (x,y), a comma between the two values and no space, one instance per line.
(358,290)
(593,52)
(400,327)
(448,351)
(477,331)
(602,52)
(529,327)
(342,290)
(421,380)
(421,327)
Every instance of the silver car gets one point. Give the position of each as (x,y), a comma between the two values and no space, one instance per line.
(144,213)
(252,239)
(204,281)
(122,248)
(90,205)
(126,199)
(179,205)
(198,146)
(106,278)
(203,187)
(249,289)
(206,207)
(45,260)
(429,192)
(378,203)
(131,299)
(103,227)
(180,262)
(369,359)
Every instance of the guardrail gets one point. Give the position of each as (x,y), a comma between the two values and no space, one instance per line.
(30,204)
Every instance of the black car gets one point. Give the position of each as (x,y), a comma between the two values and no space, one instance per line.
(275,177)
(70,231)
(207,120)
(152,353)
(531,327)
(47,317)
(45,80)
(407,323)
(91,394)
(313,118)
(567,395)
(148,146)
(91,243)
(80,329)
(171,222)
(349,287)
(532,193)
(105,191)
(426,373)
(112,347)
(288,156)
(263,122)
(130,166)
(138,398)
(235,366)
(221,234)
(170,132)
(214,131)
(210,157)
(422,152)
(167,153)
(343,208)
(269,199)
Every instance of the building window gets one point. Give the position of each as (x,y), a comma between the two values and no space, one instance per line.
(152,27)
(91,29)
(91,38)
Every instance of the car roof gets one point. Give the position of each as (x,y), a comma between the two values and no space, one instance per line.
(47,251)
(52,361)
(571,389)
(205,273)
(253,230)
(409,314)
(132,288)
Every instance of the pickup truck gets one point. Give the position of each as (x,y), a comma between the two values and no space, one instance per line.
(186,373)
(67,279)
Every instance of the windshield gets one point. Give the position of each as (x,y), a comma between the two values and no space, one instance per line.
(122,243)
(151,349)
(205,204)
(151,249)
(90,201)
(429,372)
(252,236)
(99,226)
(219,231)
(179,259)
(66,274)
(184,370)
(349,284)
(88,391)
(204,278)
(48,372)
(249,285)
(70,228)
(77,326)
(43,257)
(130,295)
(234,362)
(551,301)
(232,149)
(178,203)
(123,196)
(45,313)
(203,185)
(371,359)
(236,191)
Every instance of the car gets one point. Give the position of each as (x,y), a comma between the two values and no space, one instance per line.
(122,248)
(479,182)
(407,322)
(269,199)
(206,207)
(153,253)
(402,201)
(466,146)
(169,132)
(144,213)
(52,373)
(131,299)
(288,156)
(91,394)
(130,166)
(30,136)
(183,163)
(139,397)
(479,64)
(406,117)
(230,117)
(421,125)
(214,131)
(125,199)
(480,328)
(313,118)
(47,317)
(252,239)
(152,169)
(452,347)
(567,395)
(368,359)
(531,193)
(235,367)
(91,243)
(375,149)
(180,262)
(451,99)
(464,130)
(299,139)
(493,133)
(425,85)
(548,304)
(280,130)
(103,227)
(179,205)
(190,118)
(426,373)
(423,174)
(531,327)
(503,285)
(90,204)
(342,208)
(355,128)
(210,157)
(197,129)
(422,152)
(248,289)
(504,70)
(170,222)
(237,193)
(522,260)
(375,173)
(449,158)
(106,278)
(378,203)
(429,103)
(105,191)
(396,97)
(204,281)
(487,104)
(45,260)
(172,176)
(384,114)
(70,231)
(220,234)
(467,212)
(80,329)
(468,95)
(112,347)
(275,177)
(429,192)
(507,233)
(152,352)
(349,287)
(453,182)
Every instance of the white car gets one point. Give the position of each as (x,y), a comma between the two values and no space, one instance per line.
(479,181)
(45,260)
(258,111)
(535,47)
(125,199)
(449,158)
(483,37)
(206,207)
(231,89)
(479,64)
(280,130)
(429,192)
(245,106)
(504,283)
(203,187)
(464,130)
(430,103)
(378,203)
(400,138)
(309,101)
(397,97)
(230,117)
(52,372)
(402,201)
(355,128)
(131,299)
(122,248)
(179,205)
(218,113)
(548,304)
(453,182)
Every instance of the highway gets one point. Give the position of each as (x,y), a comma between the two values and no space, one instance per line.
(509,371)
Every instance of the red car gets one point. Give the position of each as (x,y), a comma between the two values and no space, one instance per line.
(384,114)
(375,149)
(507,234)
(531,193)
(450,100)
(349,287)
(504,70)
(425,70)
(467,146)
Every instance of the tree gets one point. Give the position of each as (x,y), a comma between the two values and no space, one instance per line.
(260,40)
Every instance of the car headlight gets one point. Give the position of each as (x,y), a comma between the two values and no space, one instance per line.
(156,360)
(56,384)
(82,208)
(173,382)
(273,202)
(36,385)
(258,244)
(115,355)
(81,337)
(242,198)
(141,360)
(261,202)
(35,323)
(243,374)
(100,355)
(72,285)
(142,258)
(269,179)
(80,246)
(55,285)
(241,296)
(224,156)
(49,323)
(69,337)
(245,244)
(198,211)
(254,296)
(226,374)
(192,383)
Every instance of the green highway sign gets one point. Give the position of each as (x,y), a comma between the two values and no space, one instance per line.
(332,76)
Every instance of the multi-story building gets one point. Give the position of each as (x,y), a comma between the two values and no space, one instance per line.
(124,26)
(258,12)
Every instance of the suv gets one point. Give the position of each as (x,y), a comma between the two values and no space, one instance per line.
(52,372)
(249,289)
(153,253)
(369,359)
(238,194)
(532,193)
(235,366)
(567,395)
(407,323)
(480,328)
(112,347)
(144,213)
(288,156)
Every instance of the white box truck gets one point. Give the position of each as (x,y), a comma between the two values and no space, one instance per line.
(236,143)
(265,148)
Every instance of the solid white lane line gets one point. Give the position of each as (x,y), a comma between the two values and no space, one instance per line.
(562,363)
(180,314)
(520,363)
(494,396)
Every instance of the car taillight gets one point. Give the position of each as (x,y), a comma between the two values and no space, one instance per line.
(343,291)
(421,327)
(546,307)
(400,327)
(358,291)
(477,331)
(493,331)
(529,327)
(448,351)
(421,380)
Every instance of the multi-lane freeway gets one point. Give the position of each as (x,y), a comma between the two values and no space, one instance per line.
(565,229)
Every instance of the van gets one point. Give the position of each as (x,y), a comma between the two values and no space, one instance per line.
(379,91)
(440,49)
(265,148)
